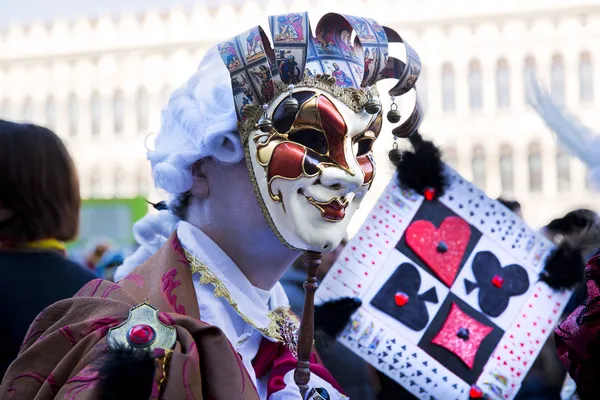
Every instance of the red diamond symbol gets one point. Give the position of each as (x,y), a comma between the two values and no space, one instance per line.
(497,281)
(401,299)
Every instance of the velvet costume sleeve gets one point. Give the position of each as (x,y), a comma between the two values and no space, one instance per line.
(66,344)
(578,337)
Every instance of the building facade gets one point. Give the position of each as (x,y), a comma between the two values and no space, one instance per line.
(101,82)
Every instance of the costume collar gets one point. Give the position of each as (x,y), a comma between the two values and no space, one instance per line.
(264,310)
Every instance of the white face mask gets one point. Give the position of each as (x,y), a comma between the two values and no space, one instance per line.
(313,169)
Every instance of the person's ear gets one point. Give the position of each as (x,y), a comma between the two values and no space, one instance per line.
(200,185)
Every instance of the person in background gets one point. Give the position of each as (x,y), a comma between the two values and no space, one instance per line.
(512,205)
(39,211)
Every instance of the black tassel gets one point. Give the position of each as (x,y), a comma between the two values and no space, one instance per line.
(564,268)
(161,205)
(421,169)
(126,374)
(331,317)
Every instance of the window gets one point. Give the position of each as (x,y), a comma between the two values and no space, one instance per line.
(450,157)
(73,115)
(528,69)
(534,162)
(142,110)
(502,84)
(475,86)
(96,113)
(506,170)
(448,97)
(95,182)
(423,89)
(51,113)
(118,112)
(27,111)
(586,79)
(557,79)
(119,181)
(563,171)
(478,167)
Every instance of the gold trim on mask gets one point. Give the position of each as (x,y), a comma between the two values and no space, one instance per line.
(343,201)
(278,318)
(353,98)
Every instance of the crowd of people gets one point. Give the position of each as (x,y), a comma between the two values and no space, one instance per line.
(200,309)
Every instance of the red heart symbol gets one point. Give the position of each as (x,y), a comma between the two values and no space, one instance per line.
(423,237)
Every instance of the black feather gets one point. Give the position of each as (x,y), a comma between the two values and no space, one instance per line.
(332,316)
(126,374)
(564,268)
(421,168)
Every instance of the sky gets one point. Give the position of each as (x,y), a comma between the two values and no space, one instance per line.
(45,10)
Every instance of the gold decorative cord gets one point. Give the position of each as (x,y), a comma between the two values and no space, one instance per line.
(163,364)
(278,318)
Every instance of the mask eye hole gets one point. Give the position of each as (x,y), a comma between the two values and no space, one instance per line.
(363,144)
(312,139)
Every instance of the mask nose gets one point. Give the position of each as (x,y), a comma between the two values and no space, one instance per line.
(340,181)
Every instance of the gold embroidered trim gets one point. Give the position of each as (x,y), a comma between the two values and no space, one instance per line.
(353,98)
(163,364)
(278,317)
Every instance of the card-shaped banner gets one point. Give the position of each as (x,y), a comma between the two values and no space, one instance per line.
(452,304)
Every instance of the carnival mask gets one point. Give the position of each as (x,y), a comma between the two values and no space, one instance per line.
(314,167)
(308,117)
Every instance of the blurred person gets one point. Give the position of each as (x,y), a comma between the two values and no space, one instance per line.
(108,264)
(512,205)
(198,310)
(95,249)
(39,212)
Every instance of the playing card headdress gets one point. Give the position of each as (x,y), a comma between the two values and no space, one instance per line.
(329,61)
(262,74)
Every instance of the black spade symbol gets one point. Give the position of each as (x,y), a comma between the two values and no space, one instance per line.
(494,300)
(413,314)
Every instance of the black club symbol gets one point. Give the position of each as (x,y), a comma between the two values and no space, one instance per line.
(496,284)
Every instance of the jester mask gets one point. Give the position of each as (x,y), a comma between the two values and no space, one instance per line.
(309,114)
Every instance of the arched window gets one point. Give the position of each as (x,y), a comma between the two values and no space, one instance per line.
(563,170)
(506,169)
(51,112)
(528,69)
(73,115)
(502,84)
(423,89)
(534,161)
(95,182)
(27,111)
(475,86)
(586,79)
(118,112)
(451,157)
(96,113)
(142,110)
(478,167)
(448,88)
(119,181)
(557,79)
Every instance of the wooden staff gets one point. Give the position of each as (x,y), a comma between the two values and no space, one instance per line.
(306,333)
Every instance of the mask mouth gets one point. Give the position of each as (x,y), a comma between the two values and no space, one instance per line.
(333,210)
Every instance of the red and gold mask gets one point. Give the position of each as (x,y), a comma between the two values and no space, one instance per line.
(314,167)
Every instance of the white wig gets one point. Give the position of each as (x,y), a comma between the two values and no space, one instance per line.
(199,122)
